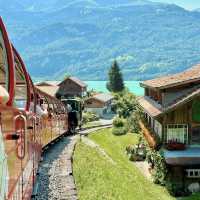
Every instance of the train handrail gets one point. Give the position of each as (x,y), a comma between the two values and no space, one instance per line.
(25,128)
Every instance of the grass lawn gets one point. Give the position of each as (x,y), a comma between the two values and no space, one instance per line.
(99,179)
(193,197)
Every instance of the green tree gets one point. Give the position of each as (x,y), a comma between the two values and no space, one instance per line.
(127,107)
(115,82)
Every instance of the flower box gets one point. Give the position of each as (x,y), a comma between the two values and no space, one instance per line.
(175,146)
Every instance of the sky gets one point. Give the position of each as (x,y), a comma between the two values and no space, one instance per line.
(188,4)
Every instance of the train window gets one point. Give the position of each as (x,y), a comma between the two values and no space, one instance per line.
(43,103)
(20,87)
(3,64)
(56,106)
(60,108)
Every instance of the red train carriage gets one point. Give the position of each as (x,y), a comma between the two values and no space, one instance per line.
(29,120)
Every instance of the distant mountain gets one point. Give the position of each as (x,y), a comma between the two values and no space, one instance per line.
(197,10)
(82,37)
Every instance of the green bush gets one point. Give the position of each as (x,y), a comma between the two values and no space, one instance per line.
(119,122)
(126,106)
(137,152)
(159,172)
(133,123)
(136,157)
(176,188)
(133,157)
(89,117)
(119,126)
(125,103)
(130,149)
(119,130)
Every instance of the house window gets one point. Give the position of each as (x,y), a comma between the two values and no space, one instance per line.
(193,173)
(152,122)
(177,133)
(149,120)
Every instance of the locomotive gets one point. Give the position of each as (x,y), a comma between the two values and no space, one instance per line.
(75,109)
(30,119)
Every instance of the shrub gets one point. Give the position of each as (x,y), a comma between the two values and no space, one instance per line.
(119,122)
(133,123)
(119,130)
(159,172)
(89,117)
(133,157)
(137,152)
(176,189)
(126,106)
(130,149)
(125,103)
(136,157)
(119,126)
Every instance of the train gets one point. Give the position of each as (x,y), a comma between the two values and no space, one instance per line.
(75,113)
(29,121)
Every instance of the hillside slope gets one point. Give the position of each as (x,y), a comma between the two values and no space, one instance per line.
(82,37)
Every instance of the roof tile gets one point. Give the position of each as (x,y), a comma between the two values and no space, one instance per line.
(189,75)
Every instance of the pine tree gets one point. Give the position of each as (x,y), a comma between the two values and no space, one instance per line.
(115,82)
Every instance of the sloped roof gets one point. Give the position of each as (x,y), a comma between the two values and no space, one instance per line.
(188,76)
(184,99)
(50,90)
(75,80)
(47,83)
(154,109)
(150,106)
(102,97)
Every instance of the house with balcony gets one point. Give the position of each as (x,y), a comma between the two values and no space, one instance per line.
(171,107)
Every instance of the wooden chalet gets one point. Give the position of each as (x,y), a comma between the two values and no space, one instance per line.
(171,106)
(71,87)
(68,88)
(99,104)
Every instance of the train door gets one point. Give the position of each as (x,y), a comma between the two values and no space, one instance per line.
(26,144)
(32,146)
(22,158)
(46,133)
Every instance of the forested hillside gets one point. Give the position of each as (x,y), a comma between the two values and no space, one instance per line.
(82,37)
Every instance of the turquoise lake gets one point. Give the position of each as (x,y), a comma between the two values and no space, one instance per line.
(100,86)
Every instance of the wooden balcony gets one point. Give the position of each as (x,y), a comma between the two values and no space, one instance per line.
(149,135)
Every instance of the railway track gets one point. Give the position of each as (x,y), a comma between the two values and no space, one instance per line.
(55,175)
(55,180)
